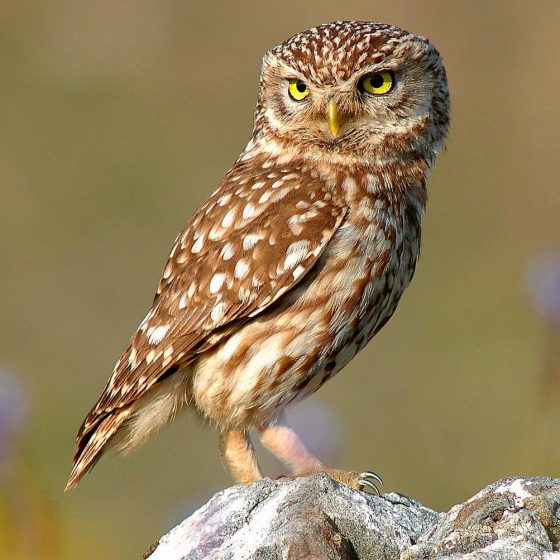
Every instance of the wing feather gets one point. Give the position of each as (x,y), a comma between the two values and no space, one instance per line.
(251,241)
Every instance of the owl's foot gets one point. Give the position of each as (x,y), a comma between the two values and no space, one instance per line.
(279,438)
(366,481)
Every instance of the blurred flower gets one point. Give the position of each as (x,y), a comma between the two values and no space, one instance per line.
(543,280)
(543,277)
(319,429)
(13,412)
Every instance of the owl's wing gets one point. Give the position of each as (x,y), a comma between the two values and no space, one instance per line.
(247,245)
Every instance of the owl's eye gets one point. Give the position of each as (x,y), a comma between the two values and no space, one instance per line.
(298,90)
(378,83)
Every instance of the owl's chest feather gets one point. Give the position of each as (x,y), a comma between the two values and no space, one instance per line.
(367,266)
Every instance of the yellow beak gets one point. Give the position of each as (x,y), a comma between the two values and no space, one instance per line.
(333,118)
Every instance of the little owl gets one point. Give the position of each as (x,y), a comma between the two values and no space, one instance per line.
(297,259)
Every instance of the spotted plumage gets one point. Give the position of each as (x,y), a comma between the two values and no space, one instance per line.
(299,257)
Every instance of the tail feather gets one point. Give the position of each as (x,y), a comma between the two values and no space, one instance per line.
(90,446)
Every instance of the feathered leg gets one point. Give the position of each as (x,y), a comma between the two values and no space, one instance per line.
(238,453)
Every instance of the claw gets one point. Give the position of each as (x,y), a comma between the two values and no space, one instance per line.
(366,482)
(371,474)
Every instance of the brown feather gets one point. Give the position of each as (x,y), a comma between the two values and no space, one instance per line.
(91,445)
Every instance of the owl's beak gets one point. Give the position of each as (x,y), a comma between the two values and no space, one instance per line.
(333,117)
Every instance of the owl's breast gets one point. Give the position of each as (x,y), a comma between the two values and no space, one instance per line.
(365,271)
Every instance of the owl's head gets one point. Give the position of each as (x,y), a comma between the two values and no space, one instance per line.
(356,89)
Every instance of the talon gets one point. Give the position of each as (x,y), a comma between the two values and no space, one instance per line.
(371,474)
(369,479)
(366,483)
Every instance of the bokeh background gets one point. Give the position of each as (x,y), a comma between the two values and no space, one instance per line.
(117,118)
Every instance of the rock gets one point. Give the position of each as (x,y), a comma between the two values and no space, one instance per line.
(514,518)
(317,518)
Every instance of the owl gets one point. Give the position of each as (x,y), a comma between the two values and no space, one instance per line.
(296,260)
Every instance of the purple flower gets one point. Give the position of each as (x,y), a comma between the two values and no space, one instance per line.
(13,411)
(543,279)
(319,429)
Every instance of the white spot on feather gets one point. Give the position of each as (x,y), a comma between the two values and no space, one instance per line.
(294,224)
(245,295)
(248,211)
(264,197)
(183,301)
(229,217)
(227,251)
(224,199)
(167,355)
(215,232)
(198,244)
(295,253)
(298,271)
(168,270)
(250,240)
(217,282)
(241,269)
(218,312)
(192,289)
(132,358)
(156,334)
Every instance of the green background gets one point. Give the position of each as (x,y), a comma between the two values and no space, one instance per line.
(118,118)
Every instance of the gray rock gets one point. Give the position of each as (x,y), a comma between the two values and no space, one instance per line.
(318,518)
(514,518)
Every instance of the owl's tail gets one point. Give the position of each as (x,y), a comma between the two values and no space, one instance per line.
(91,445)
(129,426)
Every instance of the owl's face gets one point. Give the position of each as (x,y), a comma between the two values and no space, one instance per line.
(355,89)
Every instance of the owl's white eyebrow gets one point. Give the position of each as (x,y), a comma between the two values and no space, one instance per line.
(367,71)
(293,75)
(380,67)
(289,73)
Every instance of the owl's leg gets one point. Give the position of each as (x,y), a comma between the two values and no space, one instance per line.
(238,453)
(282,441)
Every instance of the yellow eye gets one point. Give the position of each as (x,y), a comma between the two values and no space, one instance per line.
(378,83)
(298,90)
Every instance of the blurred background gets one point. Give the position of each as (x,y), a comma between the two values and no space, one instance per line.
(118,118)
